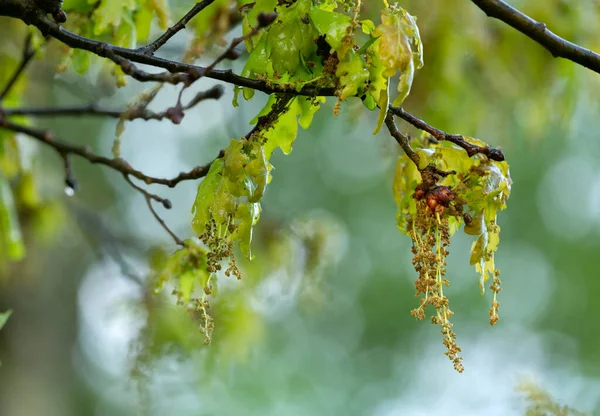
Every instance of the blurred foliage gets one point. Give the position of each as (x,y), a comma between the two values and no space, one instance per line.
(541,403)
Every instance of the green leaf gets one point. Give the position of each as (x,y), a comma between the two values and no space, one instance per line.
(404,83)
(10,158)
(258,169)
(81,60)
(406,179)
(10,230)
(109,14)
(251,20)
(79,6)
(125,37)
(27,191)
(371,104)
(283,133)
(383,103)
(247,215)
(399,48)
(186,284)
(477,250)
(307,108)
(367,26)
(162,11)
(4,317)
(289,38)
(353,75)
(476,225)
(334,26)
(367,45)
(143,22)
(258,63)
(206,195)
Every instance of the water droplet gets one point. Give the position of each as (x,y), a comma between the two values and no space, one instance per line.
(69,191)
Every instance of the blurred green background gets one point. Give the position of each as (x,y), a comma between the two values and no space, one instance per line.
(332,335)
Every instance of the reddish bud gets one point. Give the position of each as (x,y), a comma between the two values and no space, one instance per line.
(265,19)
(175,114)
(215,92)
(468,219)
(443,195)
(192,75)
(419,193)
(431,202)
(495,154)
(232,54)
(60,16)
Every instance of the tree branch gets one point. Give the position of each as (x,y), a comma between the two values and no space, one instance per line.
(472,149)
(105,50)
(401,139)
(117,164)
(172,31)
(165,202)
(48,27)
(135,113)
(537,31)
(28,54)
(177,240)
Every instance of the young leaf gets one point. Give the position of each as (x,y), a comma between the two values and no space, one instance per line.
(353,75)
(399,47)
(334,26)
(206,195)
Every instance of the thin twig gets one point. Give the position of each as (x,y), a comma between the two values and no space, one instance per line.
(538,31)
(164,201)
(70,180)
(267,121)
(117,164)
(401,139)
(28,54)
(73,40)
(173,30)
(88,110)
(103,241)
(96,111)
(472,149)
(133,71)
(177,240)
(229,53)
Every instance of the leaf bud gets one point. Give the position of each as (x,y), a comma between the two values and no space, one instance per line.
(175,114)
(265,19)
(495,154)
(232,54)
(59,16)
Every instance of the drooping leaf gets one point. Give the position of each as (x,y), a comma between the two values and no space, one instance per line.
(248,214)
(406,178)
(399,48)
(205,196)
